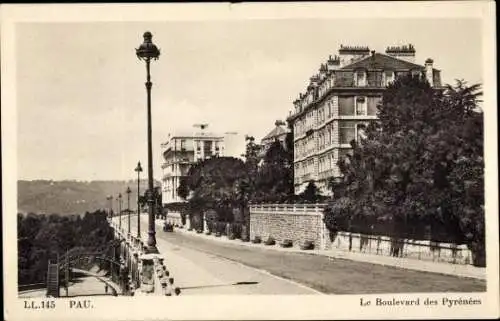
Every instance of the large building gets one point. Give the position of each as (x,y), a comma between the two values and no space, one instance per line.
(180,152)
(278,133)
(341,98)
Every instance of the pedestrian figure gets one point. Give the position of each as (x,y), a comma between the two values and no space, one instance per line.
(106,288)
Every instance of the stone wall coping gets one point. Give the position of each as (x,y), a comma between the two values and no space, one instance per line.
(287,213)
(301,208)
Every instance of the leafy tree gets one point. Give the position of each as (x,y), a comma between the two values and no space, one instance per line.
(217,183)
(43,236)
(274,181)
(251,155)
(421,164)
(311,193)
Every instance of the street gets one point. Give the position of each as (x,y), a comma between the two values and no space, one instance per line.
(199,272)
(204,266)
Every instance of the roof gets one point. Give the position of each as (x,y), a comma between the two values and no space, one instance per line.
(276,132)
(381,61)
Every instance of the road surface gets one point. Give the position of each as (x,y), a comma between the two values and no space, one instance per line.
(204,266)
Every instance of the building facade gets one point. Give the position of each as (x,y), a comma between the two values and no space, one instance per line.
(279,133)
(182,151)
(339,101)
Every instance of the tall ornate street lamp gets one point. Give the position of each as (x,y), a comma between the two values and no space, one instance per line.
(120,209)
(138,169)
(128,191)
(147,51)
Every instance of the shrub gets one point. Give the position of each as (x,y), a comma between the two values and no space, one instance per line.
(307,245)
(286,243)
(231,236)
(257,240)
(190,229)
(270,241)
(208,232)
(199,231)
(218,234)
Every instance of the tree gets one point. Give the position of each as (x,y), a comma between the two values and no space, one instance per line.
(217,183)
(311,193)
(251,155)
(274,181)
(420,165)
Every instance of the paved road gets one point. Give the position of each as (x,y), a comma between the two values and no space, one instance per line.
(209,265)
(197,272)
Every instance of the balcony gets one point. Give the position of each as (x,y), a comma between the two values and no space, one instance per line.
(326,174)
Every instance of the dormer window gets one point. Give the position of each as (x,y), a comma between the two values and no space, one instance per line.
(389,77)
(416,72)
(360,78)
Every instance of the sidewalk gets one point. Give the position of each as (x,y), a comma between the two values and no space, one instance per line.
(467,271)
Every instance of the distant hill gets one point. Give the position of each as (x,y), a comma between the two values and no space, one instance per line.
(74,197)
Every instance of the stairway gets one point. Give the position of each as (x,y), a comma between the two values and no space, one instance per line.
(53,280)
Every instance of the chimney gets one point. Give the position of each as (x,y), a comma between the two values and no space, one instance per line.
(406,53)
(351,54)
(429,71)
(333,63)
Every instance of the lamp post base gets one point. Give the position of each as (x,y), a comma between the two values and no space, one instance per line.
(151,249)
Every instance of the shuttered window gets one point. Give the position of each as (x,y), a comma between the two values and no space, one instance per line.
(346,106)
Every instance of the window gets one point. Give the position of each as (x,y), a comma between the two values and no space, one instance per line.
(389,77)
(347,131)
(360,77)
(416,72)
(372,105)
(183,144)
(346,106)
(361,106)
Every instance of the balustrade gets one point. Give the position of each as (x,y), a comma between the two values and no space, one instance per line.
(141,273)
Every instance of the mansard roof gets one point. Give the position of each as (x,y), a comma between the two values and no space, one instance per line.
(381,61)
(276,132)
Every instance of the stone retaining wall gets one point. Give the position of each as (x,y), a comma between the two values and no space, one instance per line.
(298,223)
(304,222)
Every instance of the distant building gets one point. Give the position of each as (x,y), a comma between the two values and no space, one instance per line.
(180,152)
(234,145)
(339,101)
(279,133)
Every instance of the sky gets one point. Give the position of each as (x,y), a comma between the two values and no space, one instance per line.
(81,100)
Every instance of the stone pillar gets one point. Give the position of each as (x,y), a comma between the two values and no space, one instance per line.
(205,224)
(147,276)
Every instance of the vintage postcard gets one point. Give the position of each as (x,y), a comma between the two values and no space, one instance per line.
(329,160)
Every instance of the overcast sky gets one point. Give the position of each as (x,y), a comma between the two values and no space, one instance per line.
(81,100)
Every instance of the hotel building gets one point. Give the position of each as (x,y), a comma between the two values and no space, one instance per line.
(179,153)
(338,100)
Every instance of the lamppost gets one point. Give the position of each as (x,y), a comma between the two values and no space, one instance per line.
(110,199)
(128,191)
(120,209)
(147,51)
(138,169)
